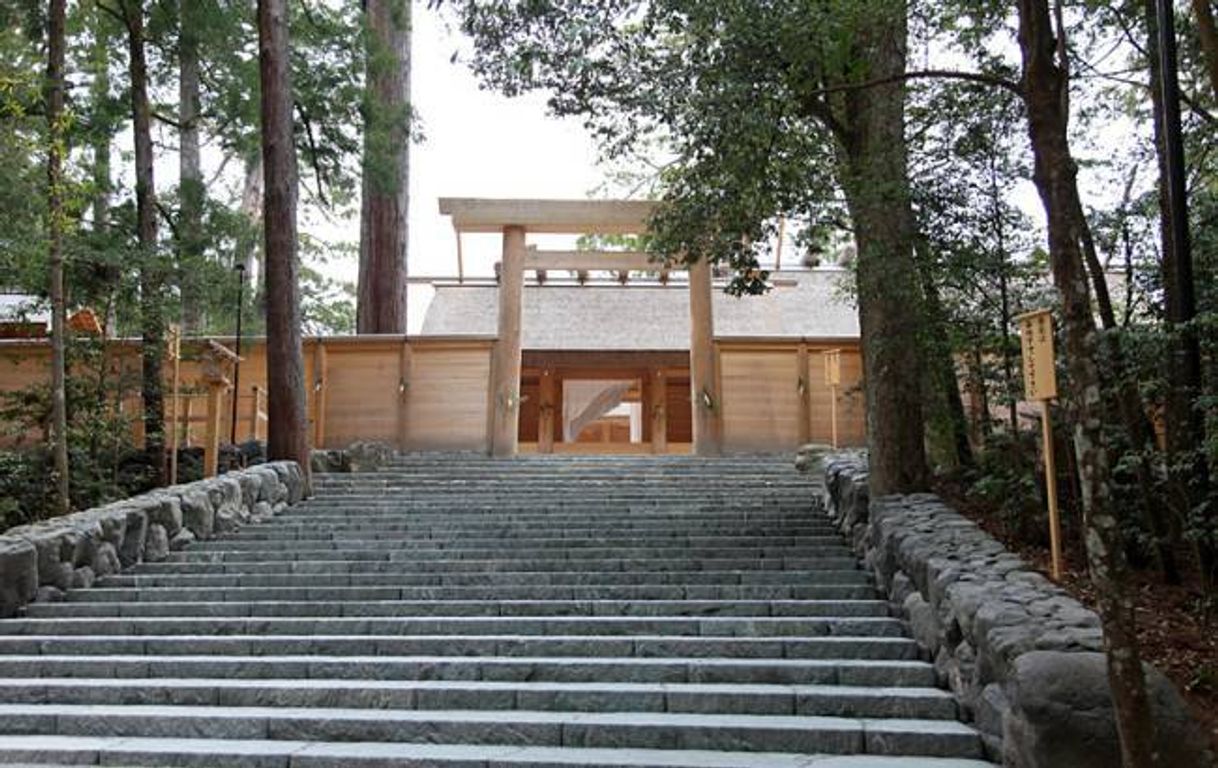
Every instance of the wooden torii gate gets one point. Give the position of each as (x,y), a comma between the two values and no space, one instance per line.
(515,220)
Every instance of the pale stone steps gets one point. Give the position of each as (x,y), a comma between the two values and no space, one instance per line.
(94,750)
(309,666)
(323,609)
(649,730)
(405,542)
(836,659)
(704,626)
(569,612)
(674,698)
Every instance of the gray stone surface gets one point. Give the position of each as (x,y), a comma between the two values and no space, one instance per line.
(18,574)
(984,617)
(1061,715)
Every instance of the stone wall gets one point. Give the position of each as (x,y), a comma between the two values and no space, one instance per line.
(1022,656)
(43,560)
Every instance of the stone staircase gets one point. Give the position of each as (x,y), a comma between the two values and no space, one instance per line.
(457,611)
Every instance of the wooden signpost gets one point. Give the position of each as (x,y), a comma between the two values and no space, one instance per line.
(1040,383)
(833,380)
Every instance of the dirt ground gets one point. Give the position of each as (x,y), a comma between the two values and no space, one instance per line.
(1177,626)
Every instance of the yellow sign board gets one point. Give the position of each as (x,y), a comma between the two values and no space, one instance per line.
(1036,339)
(833,368)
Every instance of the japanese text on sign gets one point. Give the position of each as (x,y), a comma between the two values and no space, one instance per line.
(1036,339)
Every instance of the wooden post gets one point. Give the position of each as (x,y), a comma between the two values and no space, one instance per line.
(545,412)
(405,374)
(215,409)
(505,371)
(702,380)
(659,412)
(1040,383)
(319,395)
(188,418)
(833,380)
(805,394)
(1055,544)
(255,407)
(175,354)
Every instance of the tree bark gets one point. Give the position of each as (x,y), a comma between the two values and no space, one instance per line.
(190,190)
(1184,425)
(1044,86)
(876,182)
(287,433)
(152,277)
(57,149)
(381,304)
(1207,33)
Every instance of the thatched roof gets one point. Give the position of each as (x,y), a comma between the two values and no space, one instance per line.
(803,304)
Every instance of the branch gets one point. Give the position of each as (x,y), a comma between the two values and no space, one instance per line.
(924,74)
(163,118)
(318,174)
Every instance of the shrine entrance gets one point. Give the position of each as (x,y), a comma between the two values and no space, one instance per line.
(510,414)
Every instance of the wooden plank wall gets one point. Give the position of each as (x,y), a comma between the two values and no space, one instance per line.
(761,396)
(358,396)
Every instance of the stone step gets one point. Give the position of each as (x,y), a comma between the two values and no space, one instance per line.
(492,562)
(705,626)
(284,529)
(632,592)
(406,541)
(513,550)
(315,608)
(650,730)
(80,750)
(704,698)
(887,673)
(843,659)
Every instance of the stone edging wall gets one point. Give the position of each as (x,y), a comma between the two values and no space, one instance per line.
(42,560)
(1021,656)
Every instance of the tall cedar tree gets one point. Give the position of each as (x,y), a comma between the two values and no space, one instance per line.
(287,435)
(190,188)
(152,273)
(56,150)
(1055,175)
(386,183)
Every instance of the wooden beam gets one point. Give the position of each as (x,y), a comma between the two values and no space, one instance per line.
(605,261)
(703,382)
(211,448)
(577,217)
(505,366)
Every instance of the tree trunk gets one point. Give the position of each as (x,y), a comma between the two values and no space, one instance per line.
(287,433)
(190,221)
(109,276)
(876,181)
(386,183)
(944,379)
(1207,33)
(152,278)
(1184,425)
(57,149)
(1044,85)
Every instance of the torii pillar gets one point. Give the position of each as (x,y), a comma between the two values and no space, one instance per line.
(505,365)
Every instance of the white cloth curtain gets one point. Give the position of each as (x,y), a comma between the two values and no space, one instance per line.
(585,401)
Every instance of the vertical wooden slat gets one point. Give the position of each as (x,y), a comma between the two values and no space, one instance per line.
(211,448)
(704,389)
(319,395)
(545,421)
(804,384)
(659,412)
(405,376)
